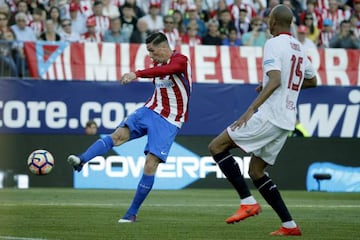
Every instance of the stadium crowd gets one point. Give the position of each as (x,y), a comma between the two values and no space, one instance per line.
(317,23)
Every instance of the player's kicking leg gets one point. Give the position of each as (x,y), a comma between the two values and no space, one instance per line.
(75,162)
(99,147)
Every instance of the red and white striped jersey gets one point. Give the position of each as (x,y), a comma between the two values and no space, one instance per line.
(173,85)
(102,23)
(235,11)
(322,4)
(173,37)
(337,17)
(37,27)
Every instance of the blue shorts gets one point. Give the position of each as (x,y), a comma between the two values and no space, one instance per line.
(161,133)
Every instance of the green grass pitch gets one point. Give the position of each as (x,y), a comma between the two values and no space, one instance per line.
(54,213)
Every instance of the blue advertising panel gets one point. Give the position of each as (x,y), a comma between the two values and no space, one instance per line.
(58,107)
(123,169)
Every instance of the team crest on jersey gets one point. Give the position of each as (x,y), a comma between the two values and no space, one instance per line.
(164,82)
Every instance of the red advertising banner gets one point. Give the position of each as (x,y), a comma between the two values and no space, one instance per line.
(210,64)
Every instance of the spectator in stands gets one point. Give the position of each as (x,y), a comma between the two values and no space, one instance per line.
(4,20)
(295,7)
(64,9)
(36,4)
(141,32)
(171,32)
(153,19)
(294,28)
(313,31)
(50,34)
(86,7)
(91,127)
(181,5)
(266,12)
(128,20)
(116,34)
(7,63)
(202,10)
(193,16)
(356,9)
(37,24)
(139,12)
(67,34)
(242,24)
(336,14)
(102,22)
(22,7)
(48,4)
(225,23)
(220,6)
(212,37)
(54,15)
(110,10)
(258,5)
(178,18)
(232,39)
(191,37)
(239,6)
(4,8)
(22,33)
(257,36)
(355,25)
(345,38)
(306,42)
(77,18)
(91,35)
(326,34)
(314,12)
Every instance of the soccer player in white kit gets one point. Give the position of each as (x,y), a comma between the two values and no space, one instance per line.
(263,129)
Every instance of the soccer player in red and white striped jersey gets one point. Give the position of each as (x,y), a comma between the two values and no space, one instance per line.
(160,118)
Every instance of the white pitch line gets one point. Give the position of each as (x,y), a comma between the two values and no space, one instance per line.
(166,205)
(20,238)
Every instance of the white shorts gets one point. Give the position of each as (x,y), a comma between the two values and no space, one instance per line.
(260,137)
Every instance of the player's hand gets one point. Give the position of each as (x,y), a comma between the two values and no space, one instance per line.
(128,77)
(259,87)
(242,120)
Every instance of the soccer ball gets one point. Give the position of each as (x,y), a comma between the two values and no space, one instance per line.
(40,162)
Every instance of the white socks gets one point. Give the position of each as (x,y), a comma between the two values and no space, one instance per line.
(248,200)
(289,224)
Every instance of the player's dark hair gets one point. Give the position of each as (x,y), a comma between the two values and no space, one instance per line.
(156,38)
